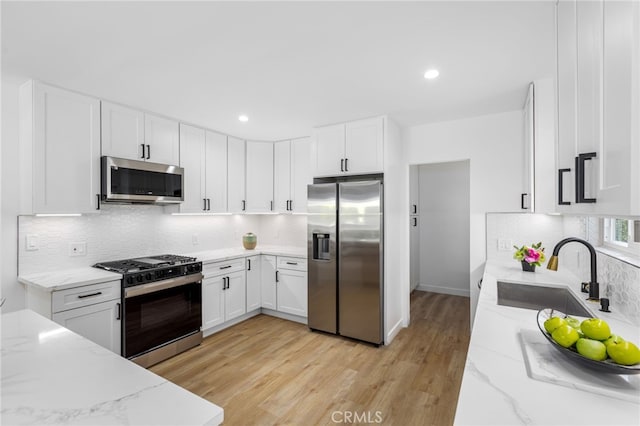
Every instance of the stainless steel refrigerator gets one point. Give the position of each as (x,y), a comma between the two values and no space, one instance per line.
(345,252)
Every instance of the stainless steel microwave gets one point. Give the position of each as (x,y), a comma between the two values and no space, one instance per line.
(132,181)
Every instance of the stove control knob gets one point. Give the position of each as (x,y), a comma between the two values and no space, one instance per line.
(196,267)
(129,280)
(148,276)
(159,274)
(139,278)
(190,268)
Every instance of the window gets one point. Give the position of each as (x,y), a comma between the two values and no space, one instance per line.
(622,234)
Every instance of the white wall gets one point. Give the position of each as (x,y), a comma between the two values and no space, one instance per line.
(444,227)
(493,145)
(396,233)
(10,194)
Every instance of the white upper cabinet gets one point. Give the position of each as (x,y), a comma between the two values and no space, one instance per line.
(135,135)
(59,150)
(259,177)
(291,175)
(236,175)
(216,172)
(203,155)
(598,69)
(122,131)
(300,174)
(282,176)
(193,160)
(363,146)
(351,148)
(162,140)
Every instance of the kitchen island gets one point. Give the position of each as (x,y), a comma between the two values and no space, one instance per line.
(51,375)
(497,388)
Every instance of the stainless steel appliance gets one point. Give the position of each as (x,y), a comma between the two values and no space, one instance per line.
(132,181)
(345,252)
(162,306)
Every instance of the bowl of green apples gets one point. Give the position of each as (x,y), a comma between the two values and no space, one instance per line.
(590,342)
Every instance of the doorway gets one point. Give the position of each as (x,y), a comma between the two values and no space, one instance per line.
(440,227)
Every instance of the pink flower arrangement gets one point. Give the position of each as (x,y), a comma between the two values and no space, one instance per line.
(533,255)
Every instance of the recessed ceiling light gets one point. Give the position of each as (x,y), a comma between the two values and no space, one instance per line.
(431,74)
(243,118)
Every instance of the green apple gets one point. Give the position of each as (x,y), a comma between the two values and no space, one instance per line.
(613,339)
(553,323)
(565,335)
(592,349)
(625,353)
(595,328)
(573,322)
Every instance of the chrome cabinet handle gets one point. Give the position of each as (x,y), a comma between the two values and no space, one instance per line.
(561,201)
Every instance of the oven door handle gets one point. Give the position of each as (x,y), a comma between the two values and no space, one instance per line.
(139,290)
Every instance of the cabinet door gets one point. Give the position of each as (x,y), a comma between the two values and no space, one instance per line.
(122,131)
(567,73)
(162,138)
(235,296)
(589,22)
(363,146)
(300,174)
(526,197)
(414,190)
(259,176)
(66,151)
(192,159)
(253,264)
(99,323)
(292,292)
(282,166)
(620,156)
(235,175)
(268,282)
(212,301)
(216,172)
(328,150)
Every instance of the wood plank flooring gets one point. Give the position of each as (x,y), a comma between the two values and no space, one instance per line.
(268,371)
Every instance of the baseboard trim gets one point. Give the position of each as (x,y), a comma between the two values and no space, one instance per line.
(393,332)
(282,315)
(444,290)
(209,331)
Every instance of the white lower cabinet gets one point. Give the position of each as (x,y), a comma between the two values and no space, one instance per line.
(292,292)
(268,282)
(223,292)
(99,323)
(253,265)
(92,311)
(284,284)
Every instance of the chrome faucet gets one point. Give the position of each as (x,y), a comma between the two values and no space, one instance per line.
(594,287)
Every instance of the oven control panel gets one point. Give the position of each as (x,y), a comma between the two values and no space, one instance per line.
(159,274)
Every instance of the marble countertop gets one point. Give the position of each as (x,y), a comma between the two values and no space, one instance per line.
(68,278)
(51,375)
(231,253)
(496,388)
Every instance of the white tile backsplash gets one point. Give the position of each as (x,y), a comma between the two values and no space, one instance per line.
(619,281)
(124,231)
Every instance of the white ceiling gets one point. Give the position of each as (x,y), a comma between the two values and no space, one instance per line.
(289,66)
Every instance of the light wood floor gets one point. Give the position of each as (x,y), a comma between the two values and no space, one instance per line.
(271,371)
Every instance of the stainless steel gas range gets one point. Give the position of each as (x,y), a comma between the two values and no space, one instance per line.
(161,306)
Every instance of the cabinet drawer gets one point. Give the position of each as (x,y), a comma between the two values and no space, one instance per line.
(223,267)
(295,263)
(84,296)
